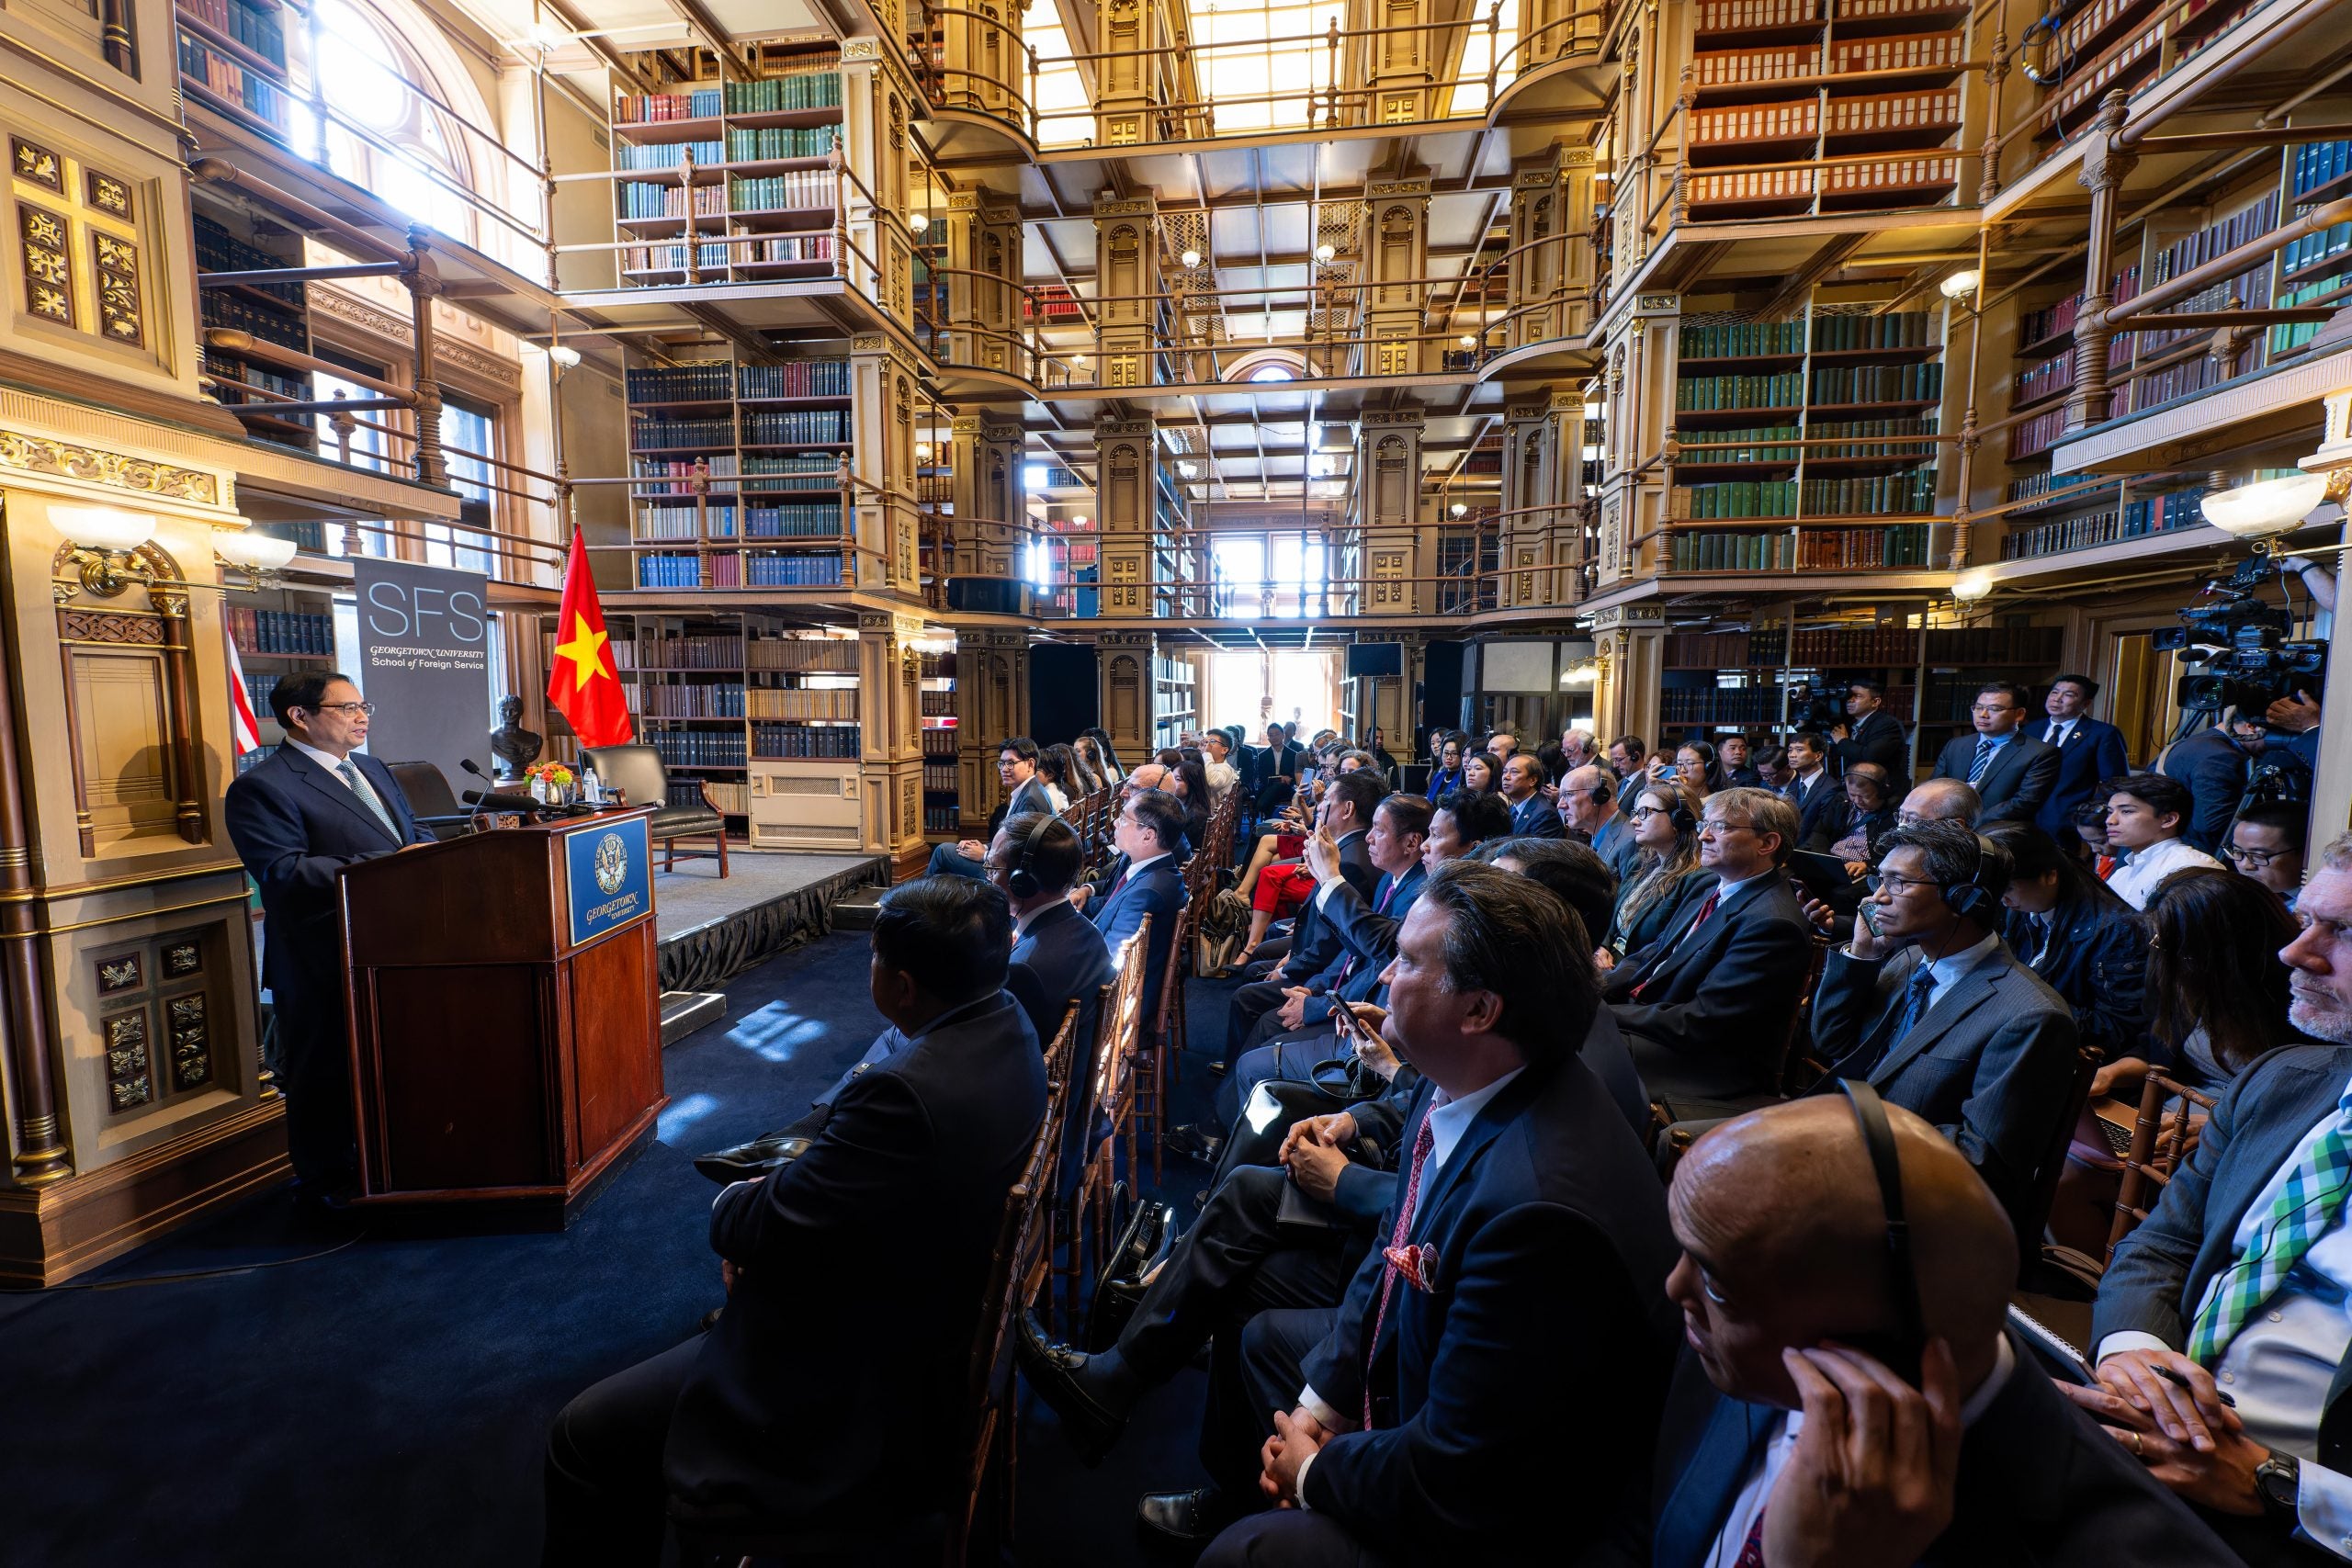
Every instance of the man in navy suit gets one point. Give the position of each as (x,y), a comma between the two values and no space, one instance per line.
(1527,1249)
(1058,956)
(1788,1438)
(1016,770)
(1148,828)
(1819,798)
(311,808)
(1875,735)
(1531,815)
(2011,772)
(879,1236)
(2269,1461)
(1345,817)
(2088,750)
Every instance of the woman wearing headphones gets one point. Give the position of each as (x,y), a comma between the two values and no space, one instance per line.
(1665,831)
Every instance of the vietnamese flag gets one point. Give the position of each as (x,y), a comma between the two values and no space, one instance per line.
(582,682)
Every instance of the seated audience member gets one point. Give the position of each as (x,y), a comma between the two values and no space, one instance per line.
(1058,956)
(1624,758)
(2011,770)
(1346,817)
(2085,943)
(1501,744)
(1527,1249)
(1581,749)
(880,1234)
(1843,1399)
(2266,843)
(2089,750)
(1869,817)
(1731,753)
(2217,993)
(1277,770)
(1694,764)
(1016,769)
(1820,802)
(1090,765)
(1216,751)
(1941,800)
(1706,1007)
(1108,753)
(1149,828)
(1773,770)
(1934,1014)
(2221,1332)
(1588,808)
(1482,773)
(1057,768)
(1531,815)
(1666,870)
(1190,784)
(1445,771)
(2145,816)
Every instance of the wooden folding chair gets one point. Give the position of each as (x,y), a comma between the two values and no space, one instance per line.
(2157,1148)
(1110,1097)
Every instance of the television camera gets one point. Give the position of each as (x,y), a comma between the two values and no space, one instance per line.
(2240,642)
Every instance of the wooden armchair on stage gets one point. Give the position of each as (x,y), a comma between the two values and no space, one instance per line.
(505,1027)
(637,771)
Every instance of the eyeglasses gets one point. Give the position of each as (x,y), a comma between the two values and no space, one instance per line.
(1641,811)
(1988,707)
(344,708)
(1889,882)
(1720,826)
(2258,858)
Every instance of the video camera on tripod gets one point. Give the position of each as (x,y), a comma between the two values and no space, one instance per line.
(2241,642)
(1815,705)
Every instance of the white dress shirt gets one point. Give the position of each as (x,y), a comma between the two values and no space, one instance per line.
(1447,1122)
(326,760)
(1954,968)
(2142,870)
(2055,732)
(2280,1365)
(1782,1443)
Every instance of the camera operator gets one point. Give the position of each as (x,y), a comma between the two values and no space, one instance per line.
(2219,764)
(1875,735)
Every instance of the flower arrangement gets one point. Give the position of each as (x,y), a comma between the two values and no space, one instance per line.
(553,774)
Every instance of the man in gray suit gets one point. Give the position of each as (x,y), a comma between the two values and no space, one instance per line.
(2236,1279)
(2012,771)
(1938,1016)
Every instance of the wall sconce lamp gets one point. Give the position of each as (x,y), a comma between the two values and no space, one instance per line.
(1971,586)
(2265,510)
(1584,673)
(1325,253)
(1961,284)
(1459,509)
(262,556)
(919,222)
(1191,258)
(105,543)
(564,357)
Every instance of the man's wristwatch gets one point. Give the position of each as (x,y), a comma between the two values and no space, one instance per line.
(2279,1480)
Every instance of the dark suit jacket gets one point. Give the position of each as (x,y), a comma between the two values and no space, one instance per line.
(1537,818)
(1313,944)
(295,825)
(879,1236)
(2040,1483)
(1060,959)
(1877,738)
(2214,769)
(1660,914)
(1710,1025)
(1820,817)
(1367,940)
(1547,1227)
(2093,751)
(2097,960)
(1029,795)
(1157,891)
(2018,780)
(1991,1064)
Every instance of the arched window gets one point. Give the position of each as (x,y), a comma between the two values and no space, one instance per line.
(1273,373)
(381,132)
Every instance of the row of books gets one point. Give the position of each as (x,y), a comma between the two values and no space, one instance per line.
(940,819)
(678,650)
(1741,340)
(937,705)
(2132,520)
(790,741)
(940,743)
(1709,704)
(681,472)
(793,190)
(2058,485)
(2238,228)
(939,778)
(1842,647)
(1837,550)
(2044,379)
(2086,24)
(729,797)
(280,631)
(2030,438)
(682,434)
(1734,552)
(223,78)
(1892,438)
(1903,329)
(2316,250)
(217,249)
(258,28)
(2319,163)
(2294,334)
(270,323)
(715,700)
(796,427)
(1734,15)
(782,142)
(696,748)
(1878,383)
(740,249)
(1911,493)
(1904,51)
(1757,446)
(257,690)
(248,760)
(676,571)
(640,200)
(710,257)
(788,570)
(719,380)
(817,84)
(807,520)
(1741,123)
(667,154)
(238,369)
(831,655)
(776,701)
(1700,393)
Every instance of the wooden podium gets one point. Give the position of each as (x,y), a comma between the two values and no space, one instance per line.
(505,1015)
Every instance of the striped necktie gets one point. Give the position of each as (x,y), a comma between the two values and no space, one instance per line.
(2307,1207)
(351,774)
(1983,760)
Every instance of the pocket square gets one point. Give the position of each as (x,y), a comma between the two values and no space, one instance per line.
(1416,1265)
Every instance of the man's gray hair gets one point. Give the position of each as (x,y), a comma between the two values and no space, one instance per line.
(1764,811)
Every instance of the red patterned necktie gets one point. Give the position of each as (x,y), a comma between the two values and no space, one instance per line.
(1751,1550)
(1423,1143)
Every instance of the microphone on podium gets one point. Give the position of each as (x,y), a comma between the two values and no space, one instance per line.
(492,799)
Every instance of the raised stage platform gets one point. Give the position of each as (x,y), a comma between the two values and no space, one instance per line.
(711,928)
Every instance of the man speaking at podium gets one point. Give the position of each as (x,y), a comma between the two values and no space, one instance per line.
(299,818)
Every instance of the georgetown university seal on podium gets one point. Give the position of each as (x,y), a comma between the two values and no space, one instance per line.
(612,863)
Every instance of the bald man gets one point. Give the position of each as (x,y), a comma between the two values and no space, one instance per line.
(1942,800)
(1783,1438)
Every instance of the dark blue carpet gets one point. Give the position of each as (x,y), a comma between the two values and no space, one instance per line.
(386,1403)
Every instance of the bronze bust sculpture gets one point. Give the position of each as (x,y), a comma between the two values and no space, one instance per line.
(515,747)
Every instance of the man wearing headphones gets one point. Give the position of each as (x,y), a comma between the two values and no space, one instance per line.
(1930,1009)
(1059,955)
(1588,806)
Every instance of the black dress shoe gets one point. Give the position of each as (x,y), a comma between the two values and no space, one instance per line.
(761,1157)
(1052,1370)
(1185,1515)
(1194,1141)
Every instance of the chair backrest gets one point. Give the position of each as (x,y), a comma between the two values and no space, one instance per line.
(1795,1063)
(636,770)
(2156,1151)
(2052,1163)
(1122,1025)
(427,788)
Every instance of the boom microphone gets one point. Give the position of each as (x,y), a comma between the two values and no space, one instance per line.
(492,800)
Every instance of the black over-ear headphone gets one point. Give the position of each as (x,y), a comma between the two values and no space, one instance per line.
(1901,1275)
(1021,879)
(1970,900)
(1684,819)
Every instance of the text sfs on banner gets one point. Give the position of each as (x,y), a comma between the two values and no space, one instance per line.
(425,663)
